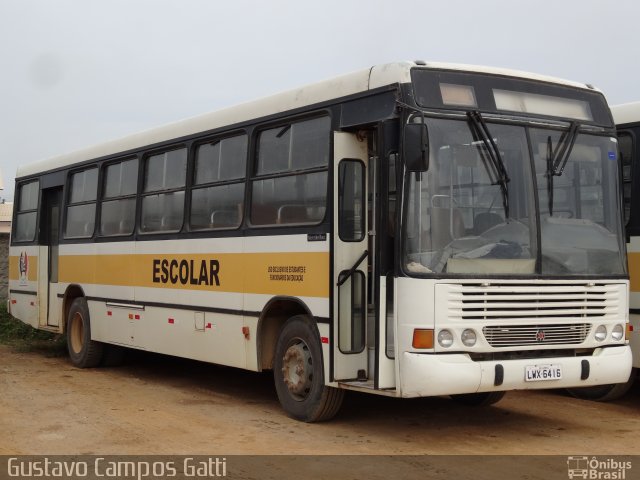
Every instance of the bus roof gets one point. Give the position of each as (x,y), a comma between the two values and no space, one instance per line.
(352,83)
(626,113)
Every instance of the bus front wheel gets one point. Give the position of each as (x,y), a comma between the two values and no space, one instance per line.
(83,352)
(298,372)
(479,399)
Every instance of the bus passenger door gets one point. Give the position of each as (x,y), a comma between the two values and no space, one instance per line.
(350,258)
(48,257)
(386,236)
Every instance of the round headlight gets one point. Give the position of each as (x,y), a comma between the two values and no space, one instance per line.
(601,333)
(617,333)
(445,338)
(468,337)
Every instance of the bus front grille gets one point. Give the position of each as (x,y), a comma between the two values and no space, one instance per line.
(520,335)
(532,301)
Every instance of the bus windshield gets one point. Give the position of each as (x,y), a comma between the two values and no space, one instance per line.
(462,217)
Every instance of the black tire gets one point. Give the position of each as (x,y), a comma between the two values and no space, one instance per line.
(84,352)
(113,356)
(298,372)
(483,399)
(604,393)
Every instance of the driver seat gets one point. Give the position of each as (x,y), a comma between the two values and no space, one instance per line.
(484,221)
(444,223)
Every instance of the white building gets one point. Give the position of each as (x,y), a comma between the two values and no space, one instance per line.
(6,212)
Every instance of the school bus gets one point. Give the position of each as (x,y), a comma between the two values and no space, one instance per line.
(411,229)
(627,119)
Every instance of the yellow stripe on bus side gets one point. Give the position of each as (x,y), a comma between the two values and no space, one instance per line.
(296,274)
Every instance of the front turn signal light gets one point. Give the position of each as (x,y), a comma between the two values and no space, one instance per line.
(422,338)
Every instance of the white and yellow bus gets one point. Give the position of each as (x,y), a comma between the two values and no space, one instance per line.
(412,229)
(627,119)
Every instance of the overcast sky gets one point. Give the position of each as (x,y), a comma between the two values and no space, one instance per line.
(78,72)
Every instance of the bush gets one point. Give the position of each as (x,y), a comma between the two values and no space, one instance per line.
(24,338)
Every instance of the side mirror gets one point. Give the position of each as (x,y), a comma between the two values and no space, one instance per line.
(415,144)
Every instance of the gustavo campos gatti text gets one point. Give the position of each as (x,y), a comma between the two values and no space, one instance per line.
(103,467)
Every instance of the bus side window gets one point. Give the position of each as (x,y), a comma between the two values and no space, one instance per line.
(351,201)
(118,206)
(163,200)
(295,158)
(81,208)
(25,229)
(217,197)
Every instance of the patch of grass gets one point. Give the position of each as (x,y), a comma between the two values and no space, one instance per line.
(24,338)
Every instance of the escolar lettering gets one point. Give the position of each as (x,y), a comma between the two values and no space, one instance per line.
(186,272)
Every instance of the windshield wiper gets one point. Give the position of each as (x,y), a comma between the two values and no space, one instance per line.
(498,171)
(557,159)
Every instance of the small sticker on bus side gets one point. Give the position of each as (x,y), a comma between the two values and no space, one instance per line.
(316,237)
(612,155)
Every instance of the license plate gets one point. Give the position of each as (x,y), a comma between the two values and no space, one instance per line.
(540,373)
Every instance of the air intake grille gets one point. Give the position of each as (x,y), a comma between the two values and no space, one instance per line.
(521,335)
(495,302)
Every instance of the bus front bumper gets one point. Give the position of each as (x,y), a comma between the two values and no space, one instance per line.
(425,375)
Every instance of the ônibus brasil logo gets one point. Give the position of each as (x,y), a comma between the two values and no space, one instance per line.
(597,469)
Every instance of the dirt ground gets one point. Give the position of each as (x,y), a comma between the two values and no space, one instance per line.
(162,405)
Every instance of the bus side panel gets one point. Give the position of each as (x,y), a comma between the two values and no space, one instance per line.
(325,333)
(112,324)
(633,261)
(199,298)
(209,337)
(25,308)
(292,267)
(23,284)
(634,338)
(199,317)
(108,280)
(55,319)
(250,329)
(128,308)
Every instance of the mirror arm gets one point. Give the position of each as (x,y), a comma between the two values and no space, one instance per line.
(422,139)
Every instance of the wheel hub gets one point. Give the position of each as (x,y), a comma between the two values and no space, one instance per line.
(297,370)
(77,332)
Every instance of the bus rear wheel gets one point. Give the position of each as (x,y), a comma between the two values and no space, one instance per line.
(604,393)
(83,352)
(298,372)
